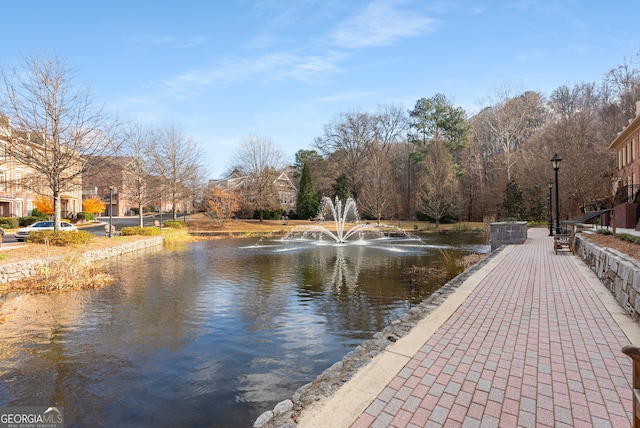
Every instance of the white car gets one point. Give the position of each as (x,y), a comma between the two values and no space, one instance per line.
(22,234)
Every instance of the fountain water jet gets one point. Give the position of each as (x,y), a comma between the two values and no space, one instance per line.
(342,216)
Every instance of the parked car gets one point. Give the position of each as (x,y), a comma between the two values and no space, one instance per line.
(22,234)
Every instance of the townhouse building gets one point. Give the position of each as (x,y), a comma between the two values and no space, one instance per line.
(21,183)
(627,147)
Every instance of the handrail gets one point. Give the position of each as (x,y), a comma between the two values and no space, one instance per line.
(634,353)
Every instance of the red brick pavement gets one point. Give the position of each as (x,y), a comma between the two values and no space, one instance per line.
(532,346)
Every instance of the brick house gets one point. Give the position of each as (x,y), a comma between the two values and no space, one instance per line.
(283,186)
(627,146)
(107,172)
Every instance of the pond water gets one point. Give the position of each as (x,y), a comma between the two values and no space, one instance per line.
(210,334)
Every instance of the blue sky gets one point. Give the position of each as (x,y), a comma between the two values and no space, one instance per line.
(282,69)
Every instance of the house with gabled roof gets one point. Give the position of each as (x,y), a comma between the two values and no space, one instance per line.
(284,188)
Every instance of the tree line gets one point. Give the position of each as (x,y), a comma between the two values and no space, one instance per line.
(433,162)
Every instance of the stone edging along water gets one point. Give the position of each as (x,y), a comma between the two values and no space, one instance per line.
(28,268)
(284,413)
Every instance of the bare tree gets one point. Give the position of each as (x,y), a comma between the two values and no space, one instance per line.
(347,140)
(57,126)
(403,172)
(138,178)
(439,187)
(262,161)
(177,159)
(377,196)
(507,125)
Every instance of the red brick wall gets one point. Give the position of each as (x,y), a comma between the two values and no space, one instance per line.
(626,216)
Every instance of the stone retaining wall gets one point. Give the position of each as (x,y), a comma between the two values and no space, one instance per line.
(28,268)
(617,271)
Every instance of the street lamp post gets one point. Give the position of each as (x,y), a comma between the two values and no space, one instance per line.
(549,206)
(555,163)
(110,211)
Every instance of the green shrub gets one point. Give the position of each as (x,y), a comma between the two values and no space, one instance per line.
(275,214)
(60,238)
(39,215)
(26,221)
(137,230)
(85,216)
(174,224)
(604,232)
(629,238)
(9,222)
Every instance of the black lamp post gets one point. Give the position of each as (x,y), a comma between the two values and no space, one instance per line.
(550,186)
(555,162)
(110,211)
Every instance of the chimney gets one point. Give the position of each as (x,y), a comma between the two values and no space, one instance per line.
(637,108)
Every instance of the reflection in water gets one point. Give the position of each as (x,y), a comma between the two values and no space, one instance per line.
(212,335)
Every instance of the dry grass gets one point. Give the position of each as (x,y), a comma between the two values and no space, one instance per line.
(72,272)
(200,222)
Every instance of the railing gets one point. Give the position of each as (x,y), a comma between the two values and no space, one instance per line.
(628,193)
(634,353)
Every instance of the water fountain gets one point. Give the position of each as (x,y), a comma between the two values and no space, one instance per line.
(342,216)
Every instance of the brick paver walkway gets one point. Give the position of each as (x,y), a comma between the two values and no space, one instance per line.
(532,346)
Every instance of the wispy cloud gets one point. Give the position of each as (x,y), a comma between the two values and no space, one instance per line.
(273,66)
(381,23)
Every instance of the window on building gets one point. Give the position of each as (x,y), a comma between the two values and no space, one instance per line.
(3,180)
(620,160)
(18,176)
(625,155)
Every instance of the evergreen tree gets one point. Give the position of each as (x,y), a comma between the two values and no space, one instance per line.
(308,200)
(513,201)
(341,188)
